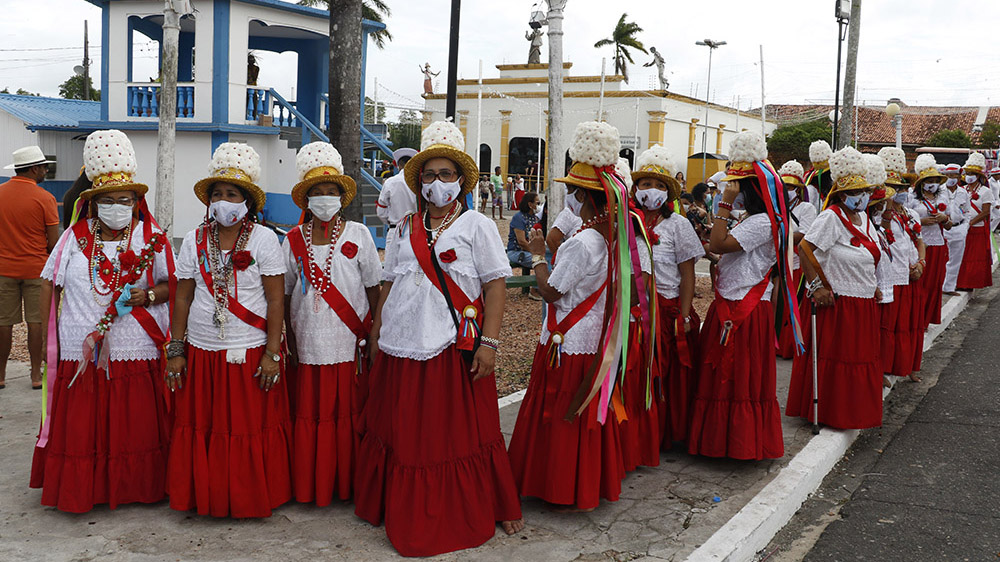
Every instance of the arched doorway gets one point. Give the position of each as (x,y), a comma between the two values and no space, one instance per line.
(628,154)
(485,158)
(524,160)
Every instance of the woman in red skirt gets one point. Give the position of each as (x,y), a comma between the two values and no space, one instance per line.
(562,450)
(676,248)
(842,252)
(977,264)
(933,205)
(331,284)
(736,412)
(229,451)
(803,214)
(901,323)
(432,463)
(106,436)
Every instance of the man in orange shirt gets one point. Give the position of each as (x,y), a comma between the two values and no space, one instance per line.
(29,229)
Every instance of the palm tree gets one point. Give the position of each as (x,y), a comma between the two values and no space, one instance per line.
(623,38)
(373,10)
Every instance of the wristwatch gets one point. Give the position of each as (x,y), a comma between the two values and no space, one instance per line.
(151,296)
(276,357)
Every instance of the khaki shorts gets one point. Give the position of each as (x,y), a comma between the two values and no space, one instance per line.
(14,293)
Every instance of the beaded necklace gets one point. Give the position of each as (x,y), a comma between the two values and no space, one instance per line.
(321,279)
(101,267)
(595,222)
(453,213)
(222,271)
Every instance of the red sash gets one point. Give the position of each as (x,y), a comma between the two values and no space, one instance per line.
(574,315)
(81,232)
(419,241)
(333,297)
(859,238)
(985,222)
(234,306)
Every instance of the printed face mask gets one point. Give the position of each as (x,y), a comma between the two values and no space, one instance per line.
(952,182)
(971,179)
(857,202)
(324,207)
(740,202)
(651,198)
(931,187)
(441,193)
(227,213)
(574,204)
(114,215)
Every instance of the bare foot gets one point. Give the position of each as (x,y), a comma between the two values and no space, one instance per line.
(885,382)
(512,527)
(915,378)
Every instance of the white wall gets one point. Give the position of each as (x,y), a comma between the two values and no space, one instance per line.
(13,136)
(68,152)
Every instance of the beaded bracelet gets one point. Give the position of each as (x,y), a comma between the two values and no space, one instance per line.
(491,343)
(724,205)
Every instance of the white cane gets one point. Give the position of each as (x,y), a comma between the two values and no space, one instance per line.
(815,371)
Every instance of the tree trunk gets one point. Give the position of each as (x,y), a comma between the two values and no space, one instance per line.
(166,138)
(345,92)
(555,160)
(846,129)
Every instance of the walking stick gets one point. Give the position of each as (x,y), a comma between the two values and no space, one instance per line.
(815,372)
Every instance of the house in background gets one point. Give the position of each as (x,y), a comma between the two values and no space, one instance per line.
(218,97)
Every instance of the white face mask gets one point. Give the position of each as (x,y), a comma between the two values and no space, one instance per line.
(952,182)
(115,216)
(901,197)
(324,207)
(574,204)
(227,213)
(651,198)
(441,193)
(971,179)
(931,187)
(739,203)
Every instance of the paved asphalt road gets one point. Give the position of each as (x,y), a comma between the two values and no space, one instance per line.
(926,486)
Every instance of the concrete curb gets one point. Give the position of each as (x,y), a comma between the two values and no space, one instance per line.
(753,527)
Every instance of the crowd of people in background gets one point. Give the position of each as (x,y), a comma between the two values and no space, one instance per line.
(248,370)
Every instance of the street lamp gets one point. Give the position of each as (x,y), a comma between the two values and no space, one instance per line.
(712,45)
(842,11)
(896,114)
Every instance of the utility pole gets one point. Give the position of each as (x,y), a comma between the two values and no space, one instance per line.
(86,63)
(345,91)
(456,19)
(851,73)
(556,158)
(763,104)
(712,45)
(168,114)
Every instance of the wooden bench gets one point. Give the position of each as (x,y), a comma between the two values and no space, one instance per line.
(523,281)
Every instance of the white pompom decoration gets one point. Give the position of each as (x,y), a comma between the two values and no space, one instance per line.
(820,151)
(791,168)
(748,146)
(106,152)
(236,155)
(894,159)
(976,159)
(442,132)
(846,162)
(658,156)
(596,144)
(874,169)
(924,162)
(318,155)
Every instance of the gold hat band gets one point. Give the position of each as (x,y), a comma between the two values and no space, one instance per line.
(112,180)
(322,171)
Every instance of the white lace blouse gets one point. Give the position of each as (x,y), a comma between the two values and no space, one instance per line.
(678,243)
(80,312)
(201,331)
(581,269)
(741,271)
(321,336)
(416,323)
(850,269)
(904,253)
(806,214)
(933,234)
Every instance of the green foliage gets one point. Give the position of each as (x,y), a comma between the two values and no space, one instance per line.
(623,38)
(406,131)
(791,142)
(950,138)
(989,137)
(374,10)
(20,92)
(72,89)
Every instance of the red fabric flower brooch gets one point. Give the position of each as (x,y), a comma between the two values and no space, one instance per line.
(127,260)
(942,207)
(242,260)
(349,249)
(448,256)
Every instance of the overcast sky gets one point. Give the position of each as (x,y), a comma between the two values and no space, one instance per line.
(930,52)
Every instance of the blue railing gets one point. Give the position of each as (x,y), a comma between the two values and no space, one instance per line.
(308,129)
(283,117)
(144,101)
(258,103)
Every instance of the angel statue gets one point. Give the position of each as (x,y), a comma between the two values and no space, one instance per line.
(535,52)
(660,67)
(428,76)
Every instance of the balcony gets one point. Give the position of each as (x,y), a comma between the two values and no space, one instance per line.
(144,100)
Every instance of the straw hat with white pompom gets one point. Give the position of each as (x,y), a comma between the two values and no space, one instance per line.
(319,162)
(442,139)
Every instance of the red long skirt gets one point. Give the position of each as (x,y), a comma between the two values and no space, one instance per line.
(108,439)
(850,371)
(736,412)
(563,462)
(900,329)
(640,433)
(229,452)
(325,441)
(786,340)
(977,264)
(677,375)
(432,462)
(930,284)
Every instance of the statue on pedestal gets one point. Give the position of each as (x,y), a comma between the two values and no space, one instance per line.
(660,67)
(535,51)
(428,76)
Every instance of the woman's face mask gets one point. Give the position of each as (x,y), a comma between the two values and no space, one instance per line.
(116,216)
(324,207)
(651,198)
(227,213)
(857,202)
(574,204)
(971,179)
(952,182)
(441,193)
(931,187)
(901,197)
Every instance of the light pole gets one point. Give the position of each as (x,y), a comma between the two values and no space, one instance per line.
(842,11)
(896,114)
(712,45)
